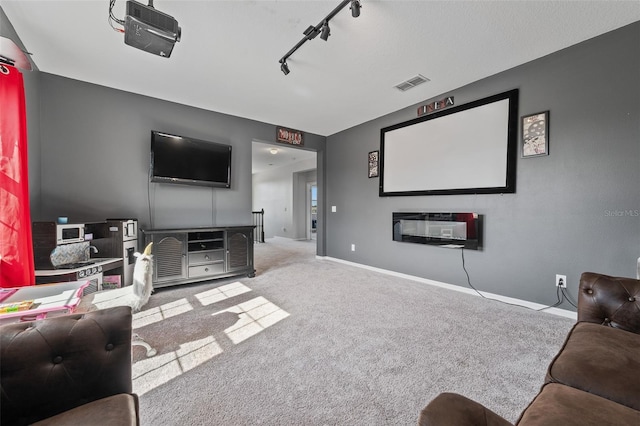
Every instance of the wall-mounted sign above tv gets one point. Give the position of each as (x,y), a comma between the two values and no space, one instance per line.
(467,149)
(179,159)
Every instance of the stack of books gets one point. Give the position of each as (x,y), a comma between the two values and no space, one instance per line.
(24,305)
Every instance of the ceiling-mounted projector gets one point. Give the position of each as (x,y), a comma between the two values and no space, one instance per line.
(148,29)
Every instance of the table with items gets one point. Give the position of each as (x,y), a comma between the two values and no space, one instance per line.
(38,302)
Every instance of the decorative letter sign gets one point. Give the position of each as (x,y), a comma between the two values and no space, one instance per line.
(289,136)
(435,106)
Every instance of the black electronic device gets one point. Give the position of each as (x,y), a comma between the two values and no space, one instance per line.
(448,230)
(148,29)
(178,159)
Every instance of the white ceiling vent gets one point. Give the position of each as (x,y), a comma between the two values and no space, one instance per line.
(412,82)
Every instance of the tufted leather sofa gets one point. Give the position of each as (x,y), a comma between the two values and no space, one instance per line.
(68,370)
(593,380)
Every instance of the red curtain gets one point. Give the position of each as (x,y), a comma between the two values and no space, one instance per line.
(16,252)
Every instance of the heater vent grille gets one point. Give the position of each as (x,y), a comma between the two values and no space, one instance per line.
(411,83)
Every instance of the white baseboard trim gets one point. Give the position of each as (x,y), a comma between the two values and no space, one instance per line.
(524,303)
(278,237)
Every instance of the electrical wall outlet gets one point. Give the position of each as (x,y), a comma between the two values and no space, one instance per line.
(353,247)
(561,281)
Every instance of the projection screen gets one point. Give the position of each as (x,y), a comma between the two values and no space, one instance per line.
(468,149)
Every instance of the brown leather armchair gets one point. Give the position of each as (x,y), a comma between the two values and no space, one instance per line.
(73,369)
(593,380)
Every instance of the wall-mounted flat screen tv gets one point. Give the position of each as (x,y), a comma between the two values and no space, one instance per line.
(183,160)
(466,149)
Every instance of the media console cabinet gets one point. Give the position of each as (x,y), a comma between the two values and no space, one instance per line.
(189,255)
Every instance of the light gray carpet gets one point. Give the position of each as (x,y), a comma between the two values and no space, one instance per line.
(315,342)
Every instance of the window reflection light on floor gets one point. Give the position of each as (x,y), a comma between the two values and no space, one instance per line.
(254,316)
(160,313)
(153,372)
(222,293)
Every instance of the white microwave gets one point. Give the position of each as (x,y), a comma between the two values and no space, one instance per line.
(69,233)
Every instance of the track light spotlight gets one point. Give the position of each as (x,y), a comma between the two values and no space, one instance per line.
(284,68)
(326,31)
(322,28)
(311,32)
(355,8)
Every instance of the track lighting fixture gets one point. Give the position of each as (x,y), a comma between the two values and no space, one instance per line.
(284,68)
(355,8)
(326,31)
(311,32)
(322,28)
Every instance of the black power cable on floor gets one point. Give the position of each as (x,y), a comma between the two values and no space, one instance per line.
(565,293)
(560,293)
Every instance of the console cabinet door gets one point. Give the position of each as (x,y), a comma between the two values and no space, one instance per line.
(169,255)
(240,250)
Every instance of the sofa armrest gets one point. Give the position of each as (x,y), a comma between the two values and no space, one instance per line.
(610,301)
(52,365)
(448,409)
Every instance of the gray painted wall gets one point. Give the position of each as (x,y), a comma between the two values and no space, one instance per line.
(95,157)
(576,210)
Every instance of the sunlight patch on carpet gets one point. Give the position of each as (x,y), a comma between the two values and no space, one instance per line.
(161,313)
(153,372)
(254,316)
(221,293)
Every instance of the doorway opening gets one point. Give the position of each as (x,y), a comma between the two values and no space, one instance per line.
(312,211)
(282,182)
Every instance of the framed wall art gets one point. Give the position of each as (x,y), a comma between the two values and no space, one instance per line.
(373,164)
(535,134)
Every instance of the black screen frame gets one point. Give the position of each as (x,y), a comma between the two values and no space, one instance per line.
(192,147)
(511,148)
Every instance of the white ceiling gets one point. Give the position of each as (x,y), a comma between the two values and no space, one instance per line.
(227,60)
(263,159)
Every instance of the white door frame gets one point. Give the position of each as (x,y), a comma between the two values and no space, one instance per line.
(308,214)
